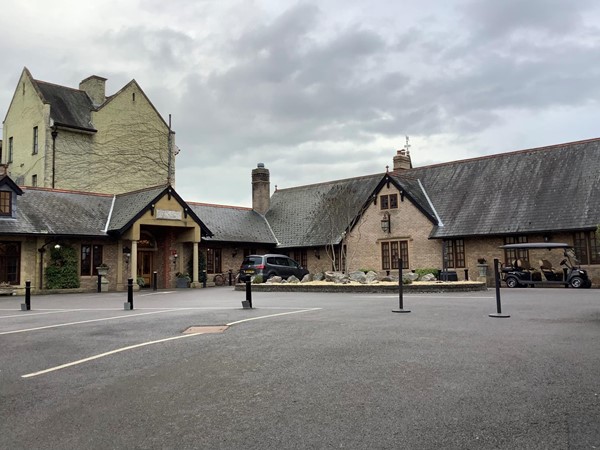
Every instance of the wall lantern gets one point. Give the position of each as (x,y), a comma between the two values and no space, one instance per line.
(317,253)
(234,252)
(127,254)
(385,223)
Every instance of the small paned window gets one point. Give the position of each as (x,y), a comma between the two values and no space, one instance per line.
(34,180)
(384,201)
(91,257)
(587,247)
(10,150)
(10,262)
(35,140)
(5,203)
(511,255)
(391,252)
(213,260)
(455,253)
(301,257)
(393,201)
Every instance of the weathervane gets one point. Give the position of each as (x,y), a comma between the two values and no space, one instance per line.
(407,146)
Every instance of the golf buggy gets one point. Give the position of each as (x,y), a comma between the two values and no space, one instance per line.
(520,273)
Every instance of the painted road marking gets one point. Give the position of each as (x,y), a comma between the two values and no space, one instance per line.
(144,344)
(413,296)
(85,321)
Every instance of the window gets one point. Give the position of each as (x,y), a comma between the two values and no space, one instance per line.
(384,201)
(10,150)
(10,260)
(213,260)
(5,203)
(391,251)
(34,180)
(393,201)
(35,140)
(301,257)
(455,253)
(511,255)
(91,257)
(587,247)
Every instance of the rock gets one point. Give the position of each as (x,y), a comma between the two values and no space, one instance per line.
(334,277)
(307,278)
(293,279)
(358,276)
(274,280)
(386,278)
(428,277)
(371,276)
(410,276)
(319,276)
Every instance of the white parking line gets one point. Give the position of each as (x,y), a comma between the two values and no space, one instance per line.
(415,296)
(20,316)
(84,321)
(143,344)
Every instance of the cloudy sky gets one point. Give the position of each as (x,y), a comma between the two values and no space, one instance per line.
(322,90)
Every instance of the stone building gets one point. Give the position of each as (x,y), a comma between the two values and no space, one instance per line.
(120,208)
(82,139)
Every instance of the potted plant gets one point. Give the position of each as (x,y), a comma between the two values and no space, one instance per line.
(102,269)
(6,288)
(182,280)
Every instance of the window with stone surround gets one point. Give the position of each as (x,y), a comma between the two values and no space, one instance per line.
(587,247)
(301,256)
(391,251)
(388,201)
(455,253)
(10,260)
(91,257)
(213,260)
(5,203)
(35,141)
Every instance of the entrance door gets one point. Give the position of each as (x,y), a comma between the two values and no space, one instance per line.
(145,267)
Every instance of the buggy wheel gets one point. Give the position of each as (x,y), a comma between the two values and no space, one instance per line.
(512,282)
(576,282)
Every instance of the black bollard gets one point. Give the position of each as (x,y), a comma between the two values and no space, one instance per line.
(27,305)
(154,281)
(129,304)
(204,278)
(247,304)
(400,290)
(466,274)
(99,283)
(230,277)
(498,313)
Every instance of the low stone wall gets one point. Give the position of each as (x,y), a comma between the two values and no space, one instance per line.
(366,288)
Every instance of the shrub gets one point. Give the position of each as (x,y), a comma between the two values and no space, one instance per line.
(61,272)
(406,281)
(257,279)
(367,270)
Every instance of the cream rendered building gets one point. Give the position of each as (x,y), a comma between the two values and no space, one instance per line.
(80,139)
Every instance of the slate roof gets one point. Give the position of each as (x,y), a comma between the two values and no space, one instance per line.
(68,107)
(317,214)
(234,224)
(42,211)
(128,206)
(555,188)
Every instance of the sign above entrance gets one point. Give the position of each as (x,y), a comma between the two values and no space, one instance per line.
(168,215)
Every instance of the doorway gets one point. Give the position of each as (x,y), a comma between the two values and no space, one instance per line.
(145,266)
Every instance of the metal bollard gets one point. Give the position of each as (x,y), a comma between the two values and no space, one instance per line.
(466,274)
(247,304)
(99,283)
(27,305)
(129,303)
(230,277)
(400,290)
(154,281)
(204,279)
(498,302)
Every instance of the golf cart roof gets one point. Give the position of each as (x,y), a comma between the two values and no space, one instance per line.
(532,245)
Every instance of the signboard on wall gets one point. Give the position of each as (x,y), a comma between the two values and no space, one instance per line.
(166,214)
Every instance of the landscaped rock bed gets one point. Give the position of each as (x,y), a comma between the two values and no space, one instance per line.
(361,282)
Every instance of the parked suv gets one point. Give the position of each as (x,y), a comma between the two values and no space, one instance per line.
(269,266)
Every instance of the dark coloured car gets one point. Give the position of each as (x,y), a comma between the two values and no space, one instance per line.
(270,266)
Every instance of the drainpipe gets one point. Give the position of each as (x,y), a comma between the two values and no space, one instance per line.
(53,134)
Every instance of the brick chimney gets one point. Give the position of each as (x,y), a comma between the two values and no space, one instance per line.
(402,160)
(261,187)
(95,88)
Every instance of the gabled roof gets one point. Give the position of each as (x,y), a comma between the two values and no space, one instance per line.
(234,224)
(411,188)
(68,107)
(63,213)
(318,214)
(5,180)
(131,206)
(555,188)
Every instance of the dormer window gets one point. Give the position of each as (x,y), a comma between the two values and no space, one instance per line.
(5,203)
